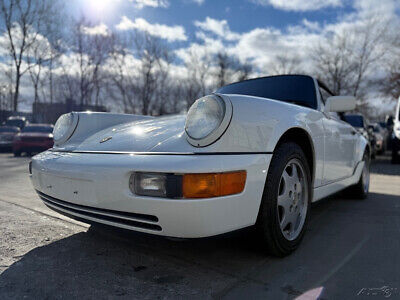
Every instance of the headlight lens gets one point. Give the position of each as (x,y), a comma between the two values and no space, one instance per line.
(204,117)
(207,120)
(64,127)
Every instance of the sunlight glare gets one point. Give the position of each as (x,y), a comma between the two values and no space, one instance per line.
(99,6)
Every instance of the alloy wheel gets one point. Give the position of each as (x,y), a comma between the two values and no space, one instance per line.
(292,201)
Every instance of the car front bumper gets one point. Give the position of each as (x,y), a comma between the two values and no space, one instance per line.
(95,187)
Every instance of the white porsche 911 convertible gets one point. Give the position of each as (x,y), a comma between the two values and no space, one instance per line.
(256,152)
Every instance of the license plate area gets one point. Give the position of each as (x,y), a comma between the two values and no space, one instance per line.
(68,189)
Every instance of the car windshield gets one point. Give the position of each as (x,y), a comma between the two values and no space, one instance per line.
(354,120)
(297,89)
(8,129)
(45,129)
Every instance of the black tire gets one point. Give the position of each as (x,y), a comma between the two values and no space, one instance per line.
(268,220)
(17,153)
(359,190)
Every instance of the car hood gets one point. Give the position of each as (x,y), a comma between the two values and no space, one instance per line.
(139,136)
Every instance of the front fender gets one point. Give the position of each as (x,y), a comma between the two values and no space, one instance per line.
(258,124)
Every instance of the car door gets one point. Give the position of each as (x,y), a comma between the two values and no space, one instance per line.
(351,136)
(339,146)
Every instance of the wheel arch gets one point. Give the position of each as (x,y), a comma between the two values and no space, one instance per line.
(301,137)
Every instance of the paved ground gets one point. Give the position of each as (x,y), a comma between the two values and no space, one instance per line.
(351,247)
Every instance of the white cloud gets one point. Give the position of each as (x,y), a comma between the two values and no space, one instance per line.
(299,5)
(170,33)
(385,8)
(218,27)
(199,2)
(150,3)
(100,29)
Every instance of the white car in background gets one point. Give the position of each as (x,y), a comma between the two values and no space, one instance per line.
(396,136)
(256,152)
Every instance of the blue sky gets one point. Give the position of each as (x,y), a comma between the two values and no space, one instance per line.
(241,15)
(253,31)
(258,32)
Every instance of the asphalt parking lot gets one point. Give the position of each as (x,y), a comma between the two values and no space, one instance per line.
(351,251)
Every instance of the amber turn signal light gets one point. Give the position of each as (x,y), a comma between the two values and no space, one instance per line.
(208,185)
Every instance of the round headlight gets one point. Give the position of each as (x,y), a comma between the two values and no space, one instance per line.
(64,128)
(207,120)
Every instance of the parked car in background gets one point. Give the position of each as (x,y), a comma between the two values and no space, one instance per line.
(396,136)
(382,124)
(377,133)
(7,134)
(385,133)
(389,127)
(17,121)
(33,138)
(256,152)
(359,122)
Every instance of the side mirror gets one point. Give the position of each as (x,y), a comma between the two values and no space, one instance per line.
(340,104)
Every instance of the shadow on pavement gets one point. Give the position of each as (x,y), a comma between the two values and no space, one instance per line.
(382,165)
(350,245)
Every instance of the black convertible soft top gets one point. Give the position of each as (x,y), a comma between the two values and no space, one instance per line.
(297,89)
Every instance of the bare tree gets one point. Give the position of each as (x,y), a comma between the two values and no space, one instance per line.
(23,22)
(89,54)
(344,59)
(154,60)
(139,76)
(284,64)
(122,79)
(6,87)
(370,48)
(42,54)
(223,62)
(390,85)
(230,69)
(198,77)
(333,62)
(244,70)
